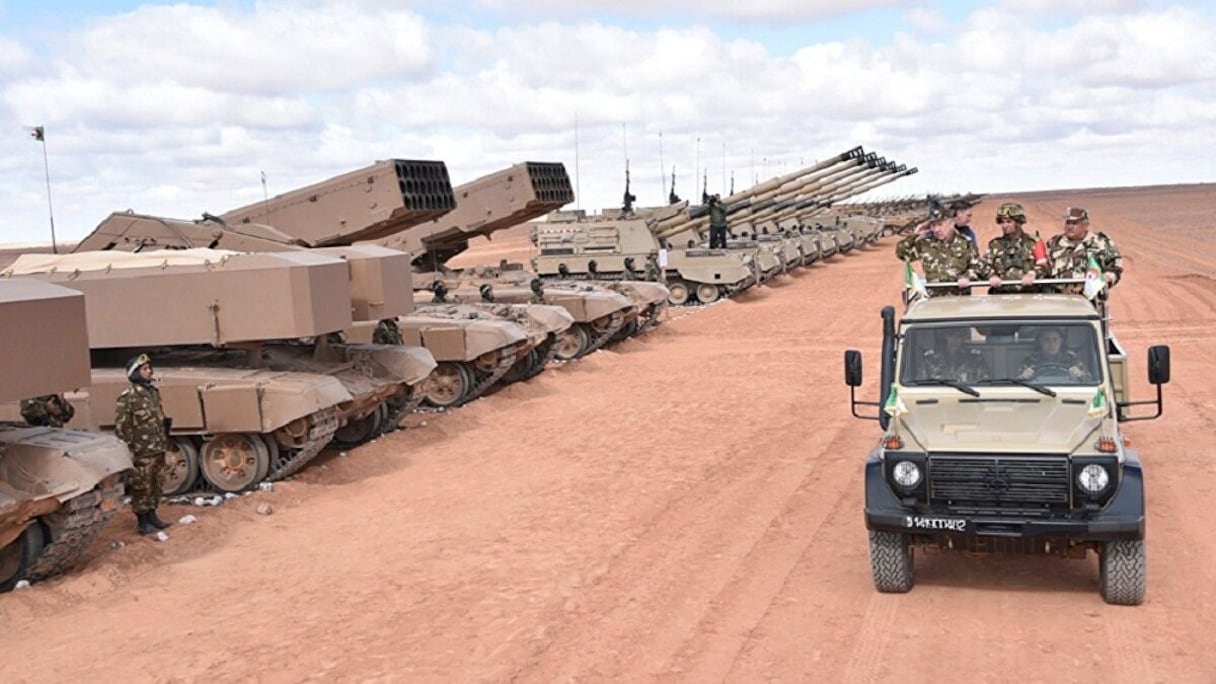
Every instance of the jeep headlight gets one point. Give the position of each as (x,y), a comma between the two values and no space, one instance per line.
(1093,478)
(906,474)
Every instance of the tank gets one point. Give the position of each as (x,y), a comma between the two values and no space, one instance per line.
(58,487)
(256,386)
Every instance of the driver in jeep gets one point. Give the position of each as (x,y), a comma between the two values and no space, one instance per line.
(951,360)
(1051,358)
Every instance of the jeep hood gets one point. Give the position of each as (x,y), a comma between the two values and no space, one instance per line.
(1005,419)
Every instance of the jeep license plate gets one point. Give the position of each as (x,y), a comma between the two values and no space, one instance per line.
(917,522)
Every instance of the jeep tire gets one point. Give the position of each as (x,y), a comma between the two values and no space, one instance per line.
(1121,572)
(891,562)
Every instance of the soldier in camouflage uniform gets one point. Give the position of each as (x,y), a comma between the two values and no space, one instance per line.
(387,332)
(950,360)
(538,291)
(1051,358)
(139,420)
(1069,252)
(652,266)
(944,254)
(50,410)
(1011,256)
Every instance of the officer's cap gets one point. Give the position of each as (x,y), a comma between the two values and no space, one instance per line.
(1076,214)
(136,362)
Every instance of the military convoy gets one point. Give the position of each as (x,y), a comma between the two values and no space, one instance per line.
(1025,456)
(58,487)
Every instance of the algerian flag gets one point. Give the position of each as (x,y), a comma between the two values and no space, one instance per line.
(1094,282)
(914,283)
(1097,407)
(895,406)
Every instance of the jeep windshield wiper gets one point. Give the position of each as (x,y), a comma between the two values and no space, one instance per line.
(965,389)
(1018,381)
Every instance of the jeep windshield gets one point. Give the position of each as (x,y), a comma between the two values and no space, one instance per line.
(1031,354)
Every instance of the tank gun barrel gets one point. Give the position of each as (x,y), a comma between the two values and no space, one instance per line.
(366,204)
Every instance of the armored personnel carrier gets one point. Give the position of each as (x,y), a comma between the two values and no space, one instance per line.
(1001,419)
(58,487)
(253,384)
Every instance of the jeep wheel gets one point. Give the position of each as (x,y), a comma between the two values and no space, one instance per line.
(891,562)
(1121,572)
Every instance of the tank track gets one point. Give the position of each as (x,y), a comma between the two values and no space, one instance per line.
(289,461)
(73,528)
(599,339)
(395,415)
(546,352)
(505,362)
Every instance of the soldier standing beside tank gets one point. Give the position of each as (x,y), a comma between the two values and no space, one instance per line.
(50,410)
(139,420)
(1069,252)
(945,255)
(717,222)
(1012,255)
(653,272)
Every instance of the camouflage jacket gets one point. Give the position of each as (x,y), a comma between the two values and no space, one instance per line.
(1069,259)
(717,214)
(34,411)
(1010,259)
(387,333)
(139,420)
(944,261)
(967,366)
(1066,359)
(652,268)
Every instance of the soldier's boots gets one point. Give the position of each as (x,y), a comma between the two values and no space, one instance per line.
(144,525)
(156,521)
(149,523)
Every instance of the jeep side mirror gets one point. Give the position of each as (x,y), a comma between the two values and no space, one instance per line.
(1159,364)
(852,367)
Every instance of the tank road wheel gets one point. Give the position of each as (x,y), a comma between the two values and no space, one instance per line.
(708,293)
(572,343)
(20,555)
(233,461)
(678,293)
(448,384)
(181,467)
(1121,572)
(360,430)
(891,562)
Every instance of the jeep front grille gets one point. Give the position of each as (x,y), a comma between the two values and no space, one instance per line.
(998,483)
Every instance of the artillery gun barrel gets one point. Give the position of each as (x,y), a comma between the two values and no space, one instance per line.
(741,205)
(366,204)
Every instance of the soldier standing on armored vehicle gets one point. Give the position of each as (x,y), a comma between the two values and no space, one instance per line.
(387,332)
(1069,252)
(1011,256)
(717,222)
(945,255)
(653,272)
(50,410)
(139,420)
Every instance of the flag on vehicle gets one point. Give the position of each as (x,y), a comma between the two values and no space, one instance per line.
(913,282)
(37,133)
(1094,282)
(1040,251)
(1097,407)
(895,406)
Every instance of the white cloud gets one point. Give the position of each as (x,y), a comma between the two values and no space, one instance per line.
(1007,97)
(755,9)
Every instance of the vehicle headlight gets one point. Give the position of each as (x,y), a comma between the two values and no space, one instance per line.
(906,474)
(1093,478)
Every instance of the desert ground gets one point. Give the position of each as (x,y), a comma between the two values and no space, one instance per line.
(683,507)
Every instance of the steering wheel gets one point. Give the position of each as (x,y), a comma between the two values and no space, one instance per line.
(1052,369)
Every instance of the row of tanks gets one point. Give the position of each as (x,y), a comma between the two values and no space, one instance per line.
(790,221)
(317,318)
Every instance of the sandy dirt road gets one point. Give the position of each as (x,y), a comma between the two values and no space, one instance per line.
(682,507)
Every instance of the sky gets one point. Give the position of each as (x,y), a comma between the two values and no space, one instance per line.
(176,109)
